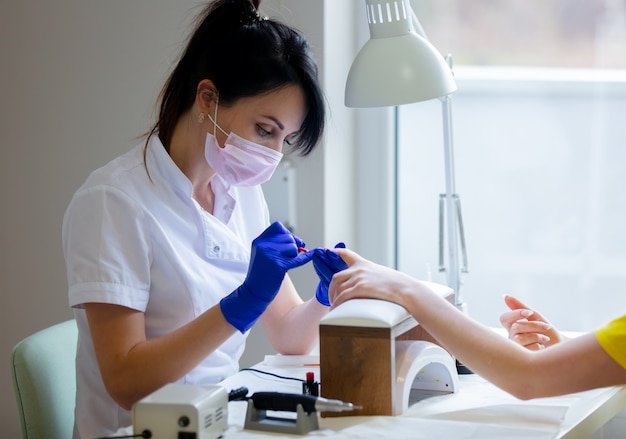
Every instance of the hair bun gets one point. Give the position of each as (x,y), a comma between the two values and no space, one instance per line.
(252,16)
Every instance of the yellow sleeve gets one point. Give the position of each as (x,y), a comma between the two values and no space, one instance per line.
(612,338)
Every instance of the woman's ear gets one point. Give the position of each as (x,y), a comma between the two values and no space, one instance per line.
(206,96)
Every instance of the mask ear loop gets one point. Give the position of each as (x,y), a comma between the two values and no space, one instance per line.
(214,120)
(217,104)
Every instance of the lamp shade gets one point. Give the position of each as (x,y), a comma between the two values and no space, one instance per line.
(397,65)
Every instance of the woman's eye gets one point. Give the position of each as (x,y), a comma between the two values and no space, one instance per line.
(291,140)
(263,132)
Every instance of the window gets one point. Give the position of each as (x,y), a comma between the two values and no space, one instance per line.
(540,156)
(540,33)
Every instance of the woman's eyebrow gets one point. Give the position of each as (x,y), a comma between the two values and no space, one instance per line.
(277,122)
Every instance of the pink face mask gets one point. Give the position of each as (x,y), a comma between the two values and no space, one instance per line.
(241,162)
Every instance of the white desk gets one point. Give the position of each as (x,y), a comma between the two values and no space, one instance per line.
(477,410)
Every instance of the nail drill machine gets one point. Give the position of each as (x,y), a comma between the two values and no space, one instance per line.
(182,411)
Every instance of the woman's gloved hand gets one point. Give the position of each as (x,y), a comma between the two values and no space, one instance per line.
(326,263)
(274,252)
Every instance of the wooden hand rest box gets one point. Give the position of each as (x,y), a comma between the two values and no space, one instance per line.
(373,353)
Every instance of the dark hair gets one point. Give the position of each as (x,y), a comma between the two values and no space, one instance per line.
(244,55)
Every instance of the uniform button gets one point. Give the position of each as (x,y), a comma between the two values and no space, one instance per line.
(216,249)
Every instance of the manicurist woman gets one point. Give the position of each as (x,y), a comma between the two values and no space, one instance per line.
(169,251)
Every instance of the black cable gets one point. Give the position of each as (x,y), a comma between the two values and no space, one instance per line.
(249,369)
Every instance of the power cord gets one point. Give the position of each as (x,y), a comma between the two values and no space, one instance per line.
(250,369)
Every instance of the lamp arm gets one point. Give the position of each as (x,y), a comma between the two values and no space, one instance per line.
(461,230)
(451,203)
(450,207)
(442,235)
(464,267)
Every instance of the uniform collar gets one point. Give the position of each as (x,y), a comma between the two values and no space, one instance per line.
(163,170)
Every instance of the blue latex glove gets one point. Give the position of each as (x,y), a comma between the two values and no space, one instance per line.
(326,263)
(274,252)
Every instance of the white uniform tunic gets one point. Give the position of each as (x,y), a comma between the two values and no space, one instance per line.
(142,241)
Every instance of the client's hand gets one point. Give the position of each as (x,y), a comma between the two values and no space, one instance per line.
(326,263)
(527,327)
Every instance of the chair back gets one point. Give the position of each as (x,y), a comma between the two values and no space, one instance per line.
(43,370)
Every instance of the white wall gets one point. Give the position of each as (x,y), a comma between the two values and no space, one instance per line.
(79,81)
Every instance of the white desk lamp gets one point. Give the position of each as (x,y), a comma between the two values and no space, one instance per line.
(399,66)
